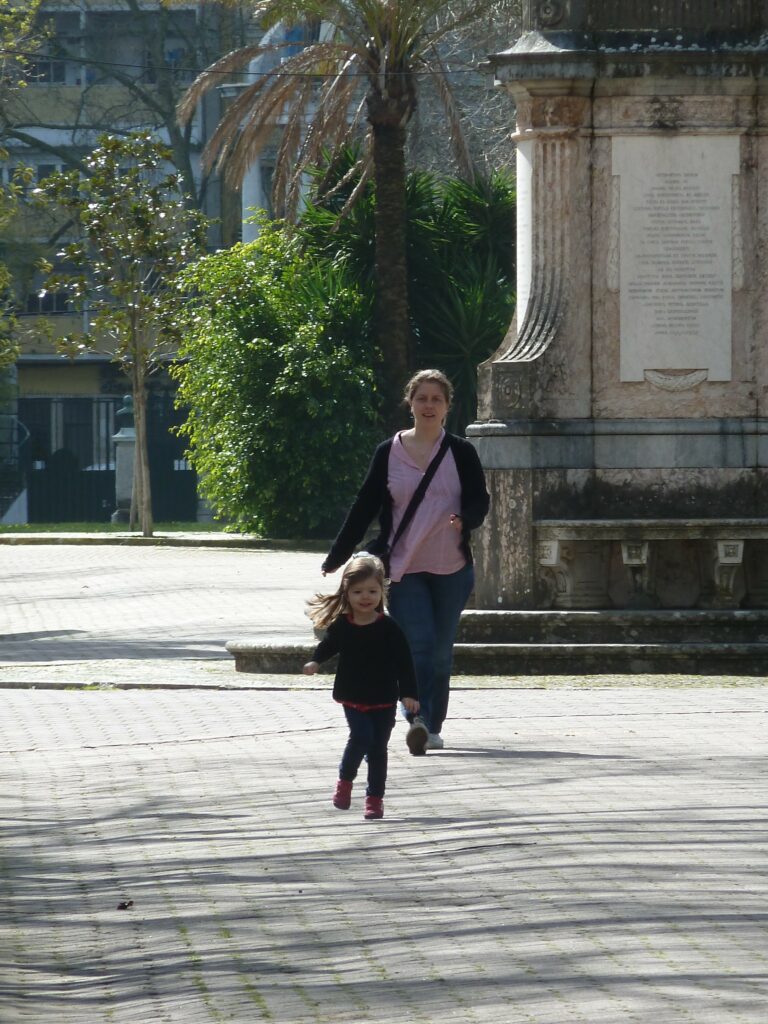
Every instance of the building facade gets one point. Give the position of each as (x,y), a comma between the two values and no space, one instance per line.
(117,66)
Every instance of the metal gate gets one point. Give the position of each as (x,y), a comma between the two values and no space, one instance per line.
(172,479)
(68,460)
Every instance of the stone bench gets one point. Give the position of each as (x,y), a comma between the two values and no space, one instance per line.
(578,557)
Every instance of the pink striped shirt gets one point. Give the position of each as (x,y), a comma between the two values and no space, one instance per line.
(430,543)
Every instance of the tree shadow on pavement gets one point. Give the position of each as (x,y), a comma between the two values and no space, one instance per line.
(568,889)
(147,649)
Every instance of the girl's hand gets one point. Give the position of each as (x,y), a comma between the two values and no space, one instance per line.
(410,705)
(310,668)
(455,521)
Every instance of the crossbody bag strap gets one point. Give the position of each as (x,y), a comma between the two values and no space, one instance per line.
(420,491)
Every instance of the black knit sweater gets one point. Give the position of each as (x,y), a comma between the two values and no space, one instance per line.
(374,499)
(375,664)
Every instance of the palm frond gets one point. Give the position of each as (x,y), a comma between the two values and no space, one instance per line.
(325,190)
(261,123)
(366,170)
(212,76)
(227,130)
(286,153)
(249,122)
(329,125)
(448,100)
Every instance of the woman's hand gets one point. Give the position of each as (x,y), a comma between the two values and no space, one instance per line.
(410,705)
(455,521)
(310,668)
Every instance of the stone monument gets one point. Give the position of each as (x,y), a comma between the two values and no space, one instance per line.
(125,456)
(623,424)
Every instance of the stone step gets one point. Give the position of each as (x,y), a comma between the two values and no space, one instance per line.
(288,656)
(624,658)
(619,626)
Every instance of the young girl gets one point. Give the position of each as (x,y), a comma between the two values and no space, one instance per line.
(375,671)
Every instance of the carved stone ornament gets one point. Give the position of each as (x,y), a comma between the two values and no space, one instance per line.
(551,13)
(669,380)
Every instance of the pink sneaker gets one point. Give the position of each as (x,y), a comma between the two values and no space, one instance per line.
(342,798)
(374,807)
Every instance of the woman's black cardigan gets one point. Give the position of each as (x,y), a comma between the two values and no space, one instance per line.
(374,500)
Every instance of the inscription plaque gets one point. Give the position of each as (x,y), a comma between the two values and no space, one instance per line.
(675,253)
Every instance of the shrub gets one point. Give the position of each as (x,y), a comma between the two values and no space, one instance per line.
(276,370)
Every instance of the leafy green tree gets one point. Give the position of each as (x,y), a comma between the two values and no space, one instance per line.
(460,258)
(133,234)
(17,34)
(364,64)
(276,374)
(10,195)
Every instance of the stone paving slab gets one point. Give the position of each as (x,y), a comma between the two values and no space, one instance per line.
(572,856)
(74,615)
(586,850)
(110,602)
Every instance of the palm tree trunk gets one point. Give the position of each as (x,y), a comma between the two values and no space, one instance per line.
(393,329)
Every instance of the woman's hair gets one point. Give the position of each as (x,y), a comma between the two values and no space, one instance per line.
(324,609)
(428,377)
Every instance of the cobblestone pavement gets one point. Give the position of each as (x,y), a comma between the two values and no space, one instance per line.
(582,856)
(573,855)
(160,616)
(72,602)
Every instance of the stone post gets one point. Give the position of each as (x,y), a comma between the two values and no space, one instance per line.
(125,453)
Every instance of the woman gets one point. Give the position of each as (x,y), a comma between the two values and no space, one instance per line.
(430,564)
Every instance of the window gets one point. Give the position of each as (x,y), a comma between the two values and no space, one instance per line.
(53,66)
(50,303)
(46,170)
(45,71)
(126,40)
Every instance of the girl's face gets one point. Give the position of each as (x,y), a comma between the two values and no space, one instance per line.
(429,404)
(365,596)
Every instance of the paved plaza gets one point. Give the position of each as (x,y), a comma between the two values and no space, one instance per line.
(577,853)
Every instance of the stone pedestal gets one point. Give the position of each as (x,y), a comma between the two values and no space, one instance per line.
(125,453)
(633,383)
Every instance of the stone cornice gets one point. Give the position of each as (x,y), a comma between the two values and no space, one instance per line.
(521,63)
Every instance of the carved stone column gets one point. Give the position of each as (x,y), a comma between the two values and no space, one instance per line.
(535,377)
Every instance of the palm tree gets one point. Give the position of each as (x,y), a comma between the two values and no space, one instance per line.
(364,64)
(461,262)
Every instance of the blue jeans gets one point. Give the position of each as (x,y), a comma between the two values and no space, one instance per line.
(427,607)
(369,733)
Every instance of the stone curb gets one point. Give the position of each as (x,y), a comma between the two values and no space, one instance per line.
(98,675)
(200,540)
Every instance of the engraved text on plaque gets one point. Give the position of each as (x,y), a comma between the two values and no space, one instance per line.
(675,253)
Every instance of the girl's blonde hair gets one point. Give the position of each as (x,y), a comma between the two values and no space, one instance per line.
(428,377)
(323,609)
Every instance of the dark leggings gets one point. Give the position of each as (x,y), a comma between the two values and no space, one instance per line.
(369,733)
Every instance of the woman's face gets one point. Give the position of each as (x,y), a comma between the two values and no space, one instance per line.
(429,404)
